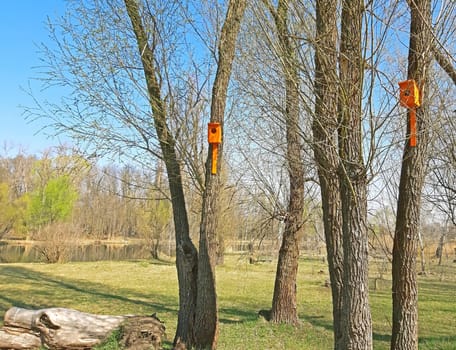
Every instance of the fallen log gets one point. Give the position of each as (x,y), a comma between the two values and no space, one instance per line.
(11,339)
(61,328)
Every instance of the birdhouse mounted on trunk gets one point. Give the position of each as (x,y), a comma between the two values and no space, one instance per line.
(214,133)
(409,94)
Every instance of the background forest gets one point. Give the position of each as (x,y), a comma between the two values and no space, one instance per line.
(61,198)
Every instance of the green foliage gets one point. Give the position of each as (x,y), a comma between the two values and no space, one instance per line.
(160,215)
(153,218)
(111,343)
(21,205)
(11,210)
(7,213)
(54,202)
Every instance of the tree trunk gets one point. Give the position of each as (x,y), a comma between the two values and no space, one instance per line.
(356,317)
(206,319)
(324,129)
(422,257)
(186,253)
(59,328)
(439,250)
(405,293)
(284,301)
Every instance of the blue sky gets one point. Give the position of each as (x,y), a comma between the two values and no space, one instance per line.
(22,28)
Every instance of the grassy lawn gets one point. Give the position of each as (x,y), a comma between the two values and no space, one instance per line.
(142,287)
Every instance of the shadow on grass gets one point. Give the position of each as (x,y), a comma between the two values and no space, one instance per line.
(44,288)
(318,321)
(381,337)
(443,342)
(236,315)
(158,262)
(323,322)
(10,302)
(437,288)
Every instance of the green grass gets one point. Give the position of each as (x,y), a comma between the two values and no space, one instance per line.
(112,343)
(143,288)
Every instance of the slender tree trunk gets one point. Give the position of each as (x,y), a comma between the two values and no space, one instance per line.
(206,321)
(439,251)
(325,150)
(186,254)
(405,292)
(422,257)
(284,302)
(356,317)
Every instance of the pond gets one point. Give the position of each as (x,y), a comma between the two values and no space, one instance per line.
(12,252)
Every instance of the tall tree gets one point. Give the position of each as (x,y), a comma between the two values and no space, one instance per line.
(440,187)
(206,320)
(186,254)
(356,317)
(197,324)
(325,150)
(100,45)
(284,301)
(405,294)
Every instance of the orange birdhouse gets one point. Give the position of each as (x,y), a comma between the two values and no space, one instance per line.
(409,94)
(214,133)
(214,137)
(410,98)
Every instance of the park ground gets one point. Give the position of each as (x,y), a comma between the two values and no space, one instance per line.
(143,287)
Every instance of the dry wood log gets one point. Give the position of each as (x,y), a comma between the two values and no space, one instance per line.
(142,333)
(60,328)
(23,339)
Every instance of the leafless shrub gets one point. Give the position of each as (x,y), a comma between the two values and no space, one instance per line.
(55,242)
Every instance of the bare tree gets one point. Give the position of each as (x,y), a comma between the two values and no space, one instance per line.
(186,254)
(284,303)
(356,317)
(206,319)
(325,150)
(405,296)
(440,187)
(137,96)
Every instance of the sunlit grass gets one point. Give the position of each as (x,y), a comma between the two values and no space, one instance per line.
(142,287)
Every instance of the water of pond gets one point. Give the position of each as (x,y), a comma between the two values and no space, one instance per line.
(13,252)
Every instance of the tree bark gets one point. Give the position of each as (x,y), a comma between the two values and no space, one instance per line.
(186,253)
(284,301)
(324,129)
(405,293)
(206,319)
(356,316)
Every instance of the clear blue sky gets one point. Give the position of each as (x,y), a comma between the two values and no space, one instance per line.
(22,28)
